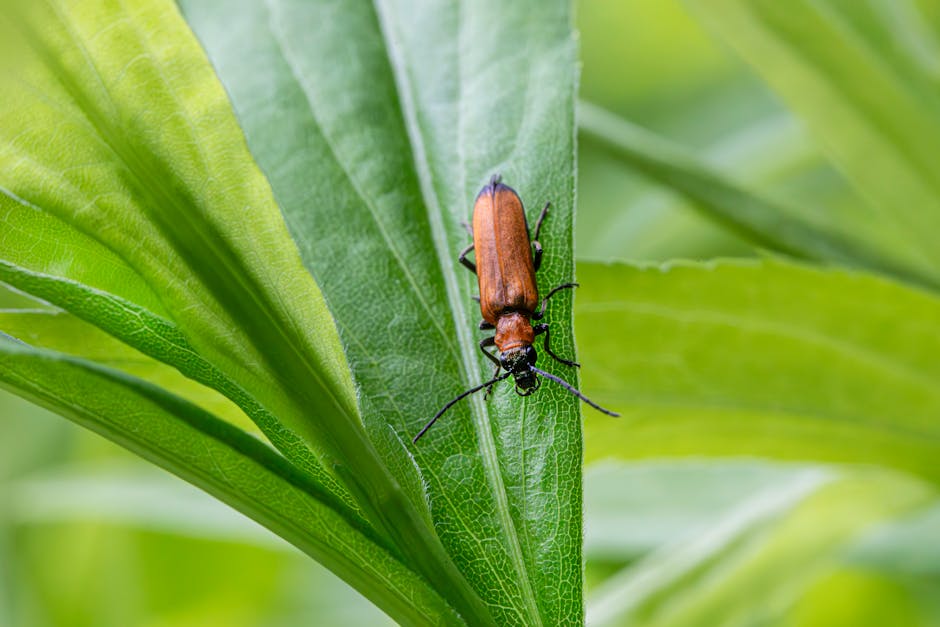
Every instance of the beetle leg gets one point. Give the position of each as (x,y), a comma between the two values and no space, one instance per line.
(536,255)
(475,299)
(543,328)
(469,265)
(485,326)
(484,343)
(538,223)
(467,227)
(541,312)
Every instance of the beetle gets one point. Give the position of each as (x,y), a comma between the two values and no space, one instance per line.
(506,262)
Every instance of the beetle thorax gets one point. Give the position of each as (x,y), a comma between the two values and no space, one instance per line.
(512,331)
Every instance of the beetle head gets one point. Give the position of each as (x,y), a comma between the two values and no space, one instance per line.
(519,361)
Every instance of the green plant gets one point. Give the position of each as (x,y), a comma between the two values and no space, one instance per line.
(250,267)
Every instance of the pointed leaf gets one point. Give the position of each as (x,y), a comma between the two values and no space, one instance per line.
(375,163)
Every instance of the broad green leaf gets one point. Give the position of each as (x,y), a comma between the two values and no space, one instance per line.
(375,163)
(877,122)
(224,461)
(764,221)
(114,123)
(813,364)
(752,566)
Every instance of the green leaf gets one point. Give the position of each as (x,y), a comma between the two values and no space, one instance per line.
(813,364)
(114,124)
(222,460)
(375,164)
(765,222)
(877,121)
(753,564)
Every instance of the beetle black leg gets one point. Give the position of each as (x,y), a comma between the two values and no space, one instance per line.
(487,342)
(484,343)
(475,299)
(537,247)
(462,258)
(536,255)
(469,265)
(467,227)
(485,326)
(541,312)
(538,223)
(543,328)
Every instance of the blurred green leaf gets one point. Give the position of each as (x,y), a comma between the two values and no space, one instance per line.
(751,566)
(375,163)
(907,546)
(765,222)
(813,364)
(876,120)
(131,495)
(859,598)
(224,461)
(634,508)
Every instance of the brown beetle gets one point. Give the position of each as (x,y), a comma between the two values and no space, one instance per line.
(506,263)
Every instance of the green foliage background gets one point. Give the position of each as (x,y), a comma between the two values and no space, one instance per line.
(755,239)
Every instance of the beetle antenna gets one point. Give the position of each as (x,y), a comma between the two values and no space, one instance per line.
(571,389)
(454,402)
